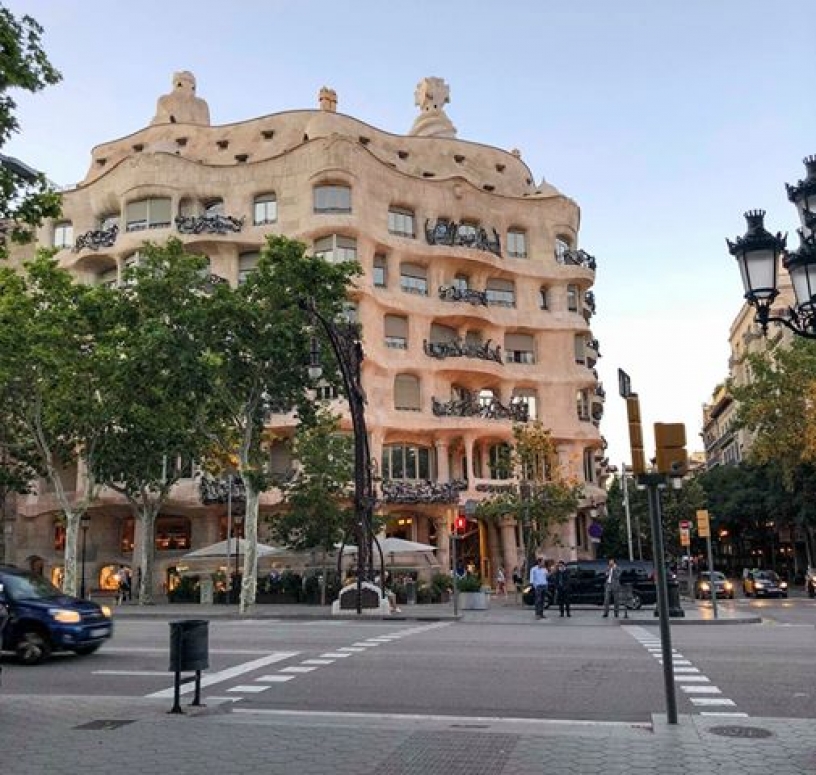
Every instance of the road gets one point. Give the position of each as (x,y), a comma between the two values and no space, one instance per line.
(580,669)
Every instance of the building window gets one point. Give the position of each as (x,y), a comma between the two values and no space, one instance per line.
(529,397)
(544,297)
(562,245)
(380,271)
(63,234)
(501,293)
(108,277)
(172,534)
(108,221)
(147,214)
(580,348)
(332,199)
(589,465)
(406,461)
(214,207)
(247,262)
(467,232)
(519,348)
(582,400)
(336,248)
(573,298)
(326,392)
(407,392)
(396,332)
(461,282)
(516,244)
(414,279)
(401,222)
(265,209)
(349,313)
(500,461)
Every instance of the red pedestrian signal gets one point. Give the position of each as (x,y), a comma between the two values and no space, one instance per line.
(459,525)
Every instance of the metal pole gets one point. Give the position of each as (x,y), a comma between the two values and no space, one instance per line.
(625,483)
(711,575)
(228,572)
(652,481)
(84,542)
(455,582)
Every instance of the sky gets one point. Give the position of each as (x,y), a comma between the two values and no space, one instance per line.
(665,121)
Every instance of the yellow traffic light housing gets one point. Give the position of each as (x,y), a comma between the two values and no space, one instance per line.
(670,444)
(635,435)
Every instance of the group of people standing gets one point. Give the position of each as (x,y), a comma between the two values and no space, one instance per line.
(542,579)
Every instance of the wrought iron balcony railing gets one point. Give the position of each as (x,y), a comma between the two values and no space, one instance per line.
(208,224)
(465,235)
(96,239)
(471,406)
(458,348)
(577,258)
(469,295)
(422,491)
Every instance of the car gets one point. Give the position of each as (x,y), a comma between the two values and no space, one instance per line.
(763,583)
(702,586)
(43,619)
(810,582)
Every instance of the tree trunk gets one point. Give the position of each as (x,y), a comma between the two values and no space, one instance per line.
(249,582)
(70,583)
(145,516)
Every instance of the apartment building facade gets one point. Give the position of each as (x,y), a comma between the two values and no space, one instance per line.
(475,305)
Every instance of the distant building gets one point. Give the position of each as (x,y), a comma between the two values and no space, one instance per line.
(475,305)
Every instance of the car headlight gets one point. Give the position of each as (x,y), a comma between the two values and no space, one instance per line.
(705,586)
(729,586)
(783,585)
(759,584)
(66,617)
(106,611)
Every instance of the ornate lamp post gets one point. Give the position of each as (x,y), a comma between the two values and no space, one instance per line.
(344,338)
(758,252)
(84,523)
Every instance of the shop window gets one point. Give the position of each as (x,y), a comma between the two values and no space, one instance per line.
(172,534)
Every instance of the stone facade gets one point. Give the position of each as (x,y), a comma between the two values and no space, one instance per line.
(475,298)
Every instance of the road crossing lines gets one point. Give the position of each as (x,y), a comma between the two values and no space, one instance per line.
(697,688)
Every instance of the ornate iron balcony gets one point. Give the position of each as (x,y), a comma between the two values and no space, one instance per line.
(452,293)
(464,235)
(212,490)
(577,258)
(470,406)
(422,491)
(458,348)
(208,224)
(505,487)
(95,239)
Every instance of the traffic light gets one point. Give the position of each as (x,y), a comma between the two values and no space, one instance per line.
(635,434)
(670,444)
(459,525)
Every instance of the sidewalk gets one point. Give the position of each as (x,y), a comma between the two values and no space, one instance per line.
(501,611)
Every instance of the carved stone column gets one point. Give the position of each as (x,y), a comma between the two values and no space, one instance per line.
(442,468)
(510,549)
(494,552)
(443,526)
(469,451)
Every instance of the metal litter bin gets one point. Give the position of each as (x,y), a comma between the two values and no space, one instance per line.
(189,645)
(410,592)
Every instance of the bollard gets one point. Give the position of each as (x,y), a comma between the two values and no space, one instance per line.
(189,652)
(675,609)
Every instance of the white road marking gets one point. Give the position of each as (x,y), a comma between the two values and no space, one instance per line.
(317,662)
(251,688)
(686,670)
(225,675)
(275,679)
(297,669)
(691,678)
(701,689)
(132,672)
(334,655)
(711,701)
(729,714)
(351,649)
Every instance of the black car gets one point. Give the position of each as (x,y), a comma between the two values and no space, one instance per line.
(588,579)
(43,619)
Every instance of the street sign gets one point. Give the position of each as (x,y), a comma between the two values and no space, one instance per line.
(685,536)
(685,524)
(703,525)
(624,384)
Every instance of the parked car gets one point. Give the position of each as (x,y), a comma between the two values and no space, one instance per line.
(810,582)
(43,619)
(763,583)
(702,586)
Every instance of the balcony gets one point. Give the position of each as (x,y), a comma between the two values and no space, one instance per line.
(208,224)
(459,348)
(462,235)
(421,491)
(577,258)
(96,239)
(470,406)
(469,295)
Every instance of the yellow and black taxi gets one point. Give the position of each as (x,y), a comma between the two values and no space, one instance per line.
(763,583)
(42,618)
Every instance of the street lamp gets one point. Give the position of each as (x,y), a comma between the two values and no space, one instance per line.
(84,523)
(344,337)
(758,253)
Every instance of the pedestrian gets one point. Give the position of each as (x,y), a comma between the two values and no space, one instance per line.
(561,582)
(612,586)
(501,582)
(119,578)
(539,580)
(127,580)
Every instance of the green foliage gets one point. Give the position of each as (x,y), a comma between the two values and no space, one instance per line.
(317,498)
(24,200)
(470,583)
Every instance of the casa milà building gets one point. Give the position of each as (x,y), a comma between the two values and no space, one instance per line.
(475,304)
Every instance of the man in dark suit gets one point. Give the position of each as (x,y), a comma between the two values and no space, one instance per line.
(612,586)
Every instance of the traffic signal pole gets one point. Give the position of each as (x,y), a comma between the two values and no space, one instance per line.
(652,483)
(455,565)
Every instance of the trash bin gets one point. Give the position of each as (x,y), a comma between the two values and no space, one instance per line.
(675,609)
(189,645)
(410,592)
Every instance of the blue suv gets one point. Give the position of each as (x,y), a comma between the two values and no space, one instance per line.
(43,619)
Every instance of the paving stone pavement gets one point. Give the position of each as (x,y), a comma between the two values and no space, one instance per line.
(77,735)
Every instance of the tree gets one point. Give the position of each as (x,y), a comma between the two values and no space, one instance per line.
(614,541)
(25,195)
(51,382)
(318,496)
(544,496)
(157,387)
(259,345)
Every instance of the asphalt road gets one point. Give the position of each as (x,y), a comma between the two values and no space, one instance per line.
(563,669)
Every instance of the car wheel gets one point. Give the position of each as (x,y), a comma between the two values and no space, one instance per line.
(635,602)
(32,647)
(85,650)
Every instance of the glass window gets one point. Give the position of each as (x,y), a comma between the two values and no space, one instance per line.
(461,282)
(336,248)
(214,207)
(396,332)
(573,298)
(332,199)
(407,392)
(405,461)
(562,245)
(501,293)
(265,209)
(519,348)
(589,465)
(516,244)
(543,298)
(401,222)
(580,348)
(499,462)
(172,534)
(466,231)
(63,235)
(582,400)
(147,214)
(247,262)
(414,279)
(380,271)
(529,397)
(108,221)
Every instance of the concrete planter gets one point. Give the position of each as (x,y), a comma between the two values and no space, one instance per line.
(474,601)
